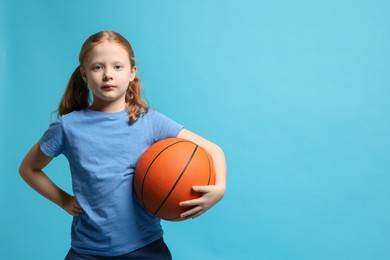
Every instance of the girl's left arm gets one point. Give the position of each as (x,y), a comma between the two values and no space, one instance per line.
(211,193)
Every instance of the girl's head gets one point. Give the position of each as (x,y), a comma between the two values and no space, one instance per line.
(107,68)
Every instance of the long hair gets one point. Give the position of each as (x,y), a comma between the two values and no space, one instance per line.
(76,96)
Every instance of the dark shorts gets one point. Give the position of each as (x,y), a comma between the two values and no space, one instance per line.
(157,250)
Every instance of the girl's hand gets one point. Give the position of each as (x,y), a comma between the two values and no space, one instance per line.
(72,206)
(211,195)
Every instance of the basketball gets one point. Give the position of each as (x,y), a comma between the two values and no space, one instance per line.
(165,173)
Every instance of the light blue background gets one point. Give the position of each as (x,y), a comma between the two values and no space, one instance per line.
(295,92)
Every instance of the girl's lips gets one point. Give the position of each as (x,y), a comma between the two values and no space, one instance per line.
(108,87)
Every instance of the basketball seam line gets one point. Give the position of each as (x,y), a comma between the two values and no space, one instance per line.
(150,165)
(208,182)
(208,160)
(177,181)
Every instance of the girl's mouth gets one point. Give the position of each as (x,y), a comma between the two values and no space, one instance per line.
(108,87)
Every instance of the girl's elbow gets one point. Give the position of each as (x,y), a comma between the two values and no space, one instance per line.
(216,149)
(23,170)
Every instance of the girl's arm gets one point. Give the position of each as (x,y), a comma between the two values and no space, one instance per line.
(211,193)
(31,171)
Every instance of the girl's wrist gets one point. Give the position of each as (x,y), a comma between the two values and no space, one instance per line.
(221,189)
(65,198)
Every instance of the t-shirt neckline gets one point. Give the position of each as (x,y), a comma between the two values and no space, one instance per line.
(95,112)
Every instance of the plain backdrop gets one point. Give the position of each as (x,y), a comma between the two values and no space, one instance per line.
(297,93)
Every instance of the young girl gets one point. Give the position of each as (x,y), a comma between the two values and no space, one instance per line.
(102,142)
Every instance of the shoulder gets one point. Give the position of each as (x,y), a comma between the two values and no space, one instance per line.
(153,114)
(73,115)
(150,115)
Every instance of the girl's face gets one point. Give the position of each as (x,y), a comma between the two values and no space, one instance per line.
(108,72)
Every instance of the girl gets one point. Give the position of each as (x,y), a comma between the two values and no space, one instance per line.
(102,142)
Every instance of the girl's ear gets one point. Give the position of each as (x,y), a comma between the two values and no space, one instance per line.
(83,74)
(133,72)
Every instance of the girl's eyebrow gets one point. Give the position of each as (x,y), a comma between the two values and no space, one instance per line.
(101,62)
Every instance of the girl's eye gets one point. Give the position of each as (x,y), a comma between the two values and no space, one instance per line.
(97,67)
(118,67)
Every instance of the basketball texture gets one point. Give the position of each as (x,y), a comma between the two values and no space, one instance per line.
(165,174)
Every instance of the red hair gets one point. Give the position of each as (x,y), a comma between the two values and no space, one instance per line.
(76,96)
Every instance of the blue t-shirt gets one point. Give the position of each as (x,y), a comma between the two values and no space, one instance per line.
(102,150)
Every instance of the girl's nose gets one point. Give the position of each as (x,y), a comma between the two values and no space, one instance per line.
(107,77)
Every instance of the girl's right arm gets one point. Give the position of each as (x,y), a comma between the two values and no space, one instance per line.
(31,171)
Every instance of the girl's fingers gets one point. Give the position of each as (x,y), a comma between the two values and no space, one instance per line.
(192,213)
(76,204)
(77,210)
(77,207)
(76,213)
(202,189)
(190,203)
(196,215)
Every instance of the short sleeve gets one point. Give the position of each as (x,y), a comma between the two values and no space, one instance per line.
(163,127)
(52,141)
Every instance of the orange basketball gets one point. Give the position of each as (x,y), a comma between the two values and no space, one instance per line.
(165,174)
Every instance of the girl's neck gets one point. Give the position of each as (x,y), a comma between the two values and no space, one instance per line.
(108,107)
